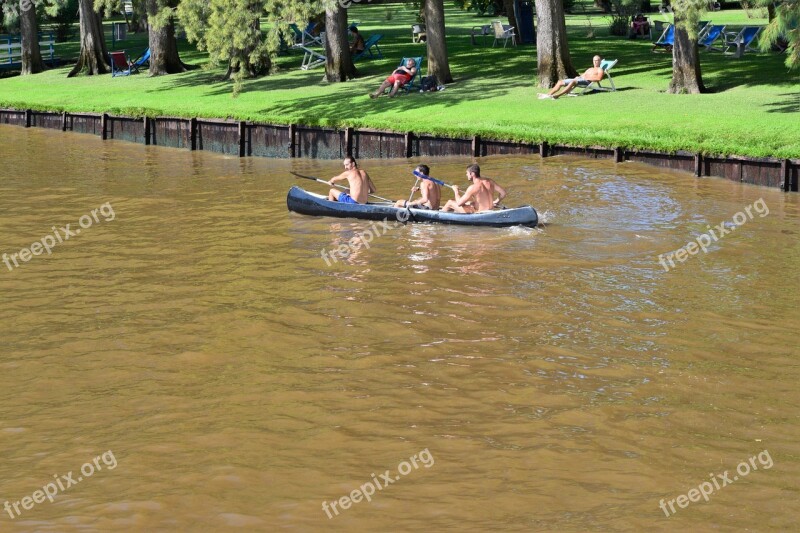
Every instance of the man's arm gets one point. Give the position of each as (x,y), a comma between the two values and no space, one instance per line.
(468,194)
(423,196)
(371,185)
(340,177)
(500,191)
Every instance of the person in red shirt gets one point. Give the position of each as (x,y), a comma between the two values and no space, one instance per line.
(399,77)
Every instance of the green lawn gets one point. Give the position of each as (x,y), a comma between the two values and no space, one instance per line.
(753,110)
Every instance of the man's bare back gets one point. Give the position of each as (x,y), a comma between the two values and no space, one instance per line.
(478,197)
(430,193)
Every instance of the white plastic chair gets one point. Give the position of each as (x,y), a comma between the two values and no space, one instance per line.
(503,32)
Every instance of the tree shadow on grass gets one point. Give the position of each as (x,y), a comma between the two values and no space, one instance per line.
(790,105)
(338,108)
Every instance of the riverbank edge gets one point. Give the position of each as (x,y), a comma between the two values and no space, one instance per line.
(254,139)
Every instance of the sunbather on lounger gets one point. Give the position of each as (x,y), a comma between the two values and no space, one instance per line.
(565,86)
(399,77)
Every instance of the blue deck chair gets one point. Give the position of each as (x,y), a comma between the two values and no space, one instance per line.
(711,35)
(305,37)
(741,41)
(412,83)
(120,64)
(606,65)
(141,60)
(702,28)
(667,39)
(369,44)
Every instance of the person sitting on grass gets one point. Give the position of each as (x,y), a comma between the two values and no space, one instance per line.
(430,193)
(399,77)
(478,197)
(565,86)
(361,185)
(357,46)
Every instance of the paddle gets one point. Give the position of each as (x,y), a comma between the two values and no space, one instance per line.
(335,185)
(420,175)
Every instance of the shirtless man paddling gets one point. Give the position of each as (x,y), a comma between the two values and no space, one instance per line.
(359,181)
(478,197)
(430,193)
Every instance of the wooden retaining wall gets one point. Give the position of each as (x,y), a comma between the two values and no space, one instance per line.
(281,141)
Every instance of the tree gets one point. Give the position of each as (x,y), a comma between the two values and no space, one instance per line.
(783,30)
(164,58)
(92,58)
(438,65)
(29,39)
(230,30)
(508,7)
(338,63)
(686,76)
(552,49)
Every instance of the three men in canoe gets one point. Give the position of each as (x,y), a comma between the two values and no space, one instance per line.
(479,196)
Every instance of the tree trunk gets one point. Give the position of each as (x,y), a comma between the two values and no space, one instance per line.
(686,76)
(31,56)
(508,6)
(164,58)
(92,58)
(438,65)
(552,49)
(338,62)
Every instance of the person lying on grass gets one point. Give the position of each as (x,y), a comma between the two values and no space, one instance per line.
(478,197)
(594,73)
(430,193)
(361,185)
(399,77)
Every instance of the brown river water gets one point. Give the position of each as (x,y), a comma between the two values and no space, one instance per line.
(189,361)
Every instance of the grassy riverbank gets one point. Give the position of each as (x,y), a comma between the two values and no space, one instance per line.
(753,109)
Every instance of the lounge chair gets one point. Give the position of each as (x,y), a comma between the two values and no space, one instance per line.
(369,44)
(412,83)
(702,28)
(305,37)
(418,34)
(606,65)
(711,35)
(741,41)
(312,58)
(120,64)
(667,39)
(141,60)
(503,33)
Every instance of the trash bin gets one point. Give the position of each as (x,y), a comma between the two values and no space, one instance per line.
(523,11)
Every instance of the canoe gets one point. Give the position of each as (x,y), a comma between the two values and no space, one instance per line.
(309,203)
